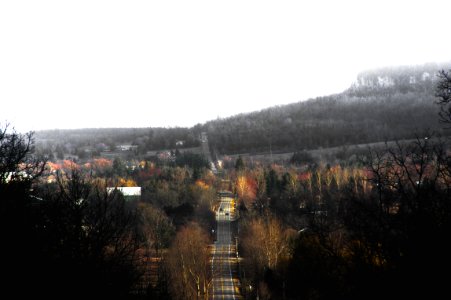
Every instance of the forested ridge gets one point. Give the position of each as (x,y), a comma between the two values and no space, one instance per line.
(385,104)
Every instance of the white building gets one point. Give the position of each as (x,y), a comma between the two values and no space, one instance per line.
(126,147)
(126,191)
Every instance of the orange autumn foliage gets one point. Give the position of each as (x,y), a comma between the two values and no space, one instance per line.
(69,165)
(246,188)
(126,182)
(102,163)
(202,184)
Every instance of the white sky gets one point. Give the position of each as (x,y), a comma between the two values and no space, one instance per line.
(78,64)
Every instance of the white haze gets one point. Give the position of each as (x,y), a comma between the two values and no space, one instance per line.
(78,64)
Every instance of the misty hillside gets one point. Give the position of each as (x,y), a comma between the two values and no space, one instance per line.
(385,104)
(145,138)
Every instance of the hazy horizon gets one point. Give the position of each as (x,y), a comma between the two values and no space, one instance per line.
(116,64)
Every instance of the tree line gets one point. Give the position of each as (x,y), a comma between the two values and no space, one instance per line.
(386,104)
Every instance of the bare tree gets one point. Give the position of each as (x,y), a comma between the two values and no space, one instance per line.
(19,168)
(157,227)
(17,162)
(89,239)
(188,263)
(443,91)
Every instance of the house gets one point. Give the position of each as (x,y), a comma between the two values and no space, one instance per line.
(165,155)
(128,192)
(126,147)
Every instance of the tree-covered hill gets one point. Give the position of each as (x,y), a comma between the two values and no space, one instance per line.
(385,104)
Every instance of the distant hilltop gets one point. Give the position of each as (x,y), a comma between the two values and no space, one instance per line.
(419,76)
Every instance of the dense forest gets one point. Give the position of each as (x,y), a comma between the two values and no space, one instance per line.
(96,140)
(385,104)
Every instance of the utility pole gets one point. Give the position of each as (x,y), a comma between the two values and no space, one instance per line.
(270,151)
(270,145)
